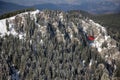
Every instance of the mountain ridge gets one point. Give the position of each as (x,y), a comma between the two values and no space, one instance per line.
(55,45)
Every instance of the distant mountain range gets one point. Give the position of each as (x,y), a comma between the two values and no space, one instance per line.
(91,7)
(97,8)
(8,7)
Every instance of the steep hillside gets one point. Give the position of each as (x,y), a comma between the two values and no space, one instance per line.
(112,23)
(54,45)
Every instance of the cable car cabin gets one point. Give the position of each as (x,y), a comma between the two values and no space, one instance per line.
(91,39)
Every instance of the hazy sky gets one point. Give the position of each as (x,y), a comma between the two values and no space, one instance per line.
(34,2)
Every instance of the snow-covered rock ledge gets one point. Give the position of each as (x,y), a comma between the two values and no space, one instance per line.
(11,26)
(103,42)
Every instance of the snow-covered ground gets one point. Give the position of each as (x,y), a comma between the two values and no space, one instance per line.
(99,31)
(100,34)
(3,27)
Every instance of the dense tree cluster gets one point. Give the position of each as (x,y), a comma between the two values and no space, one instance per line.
(44,56)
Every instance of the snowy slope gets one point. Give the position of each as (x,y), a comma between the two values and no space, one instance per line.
(89,28)
(3,26)
(101,38)
(3,29)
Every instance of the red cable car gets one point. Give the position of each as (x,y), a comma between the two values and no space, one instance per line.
(91,38)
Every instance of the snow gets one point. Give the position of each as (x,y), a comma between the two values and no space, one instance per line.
(99,49)
(22,35)
(103,29)
(92,44)
(61,16)
(115,67)
(35,12)
(90,64)
(12,30)
(43,31)
(11,18)
(30,41)
(37,24)
(99,39)
(106,56)
(83,61)
(71,36)
(41,42)
(109,61)
(32,12)
(3,27)
(96,61)
(106,37)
